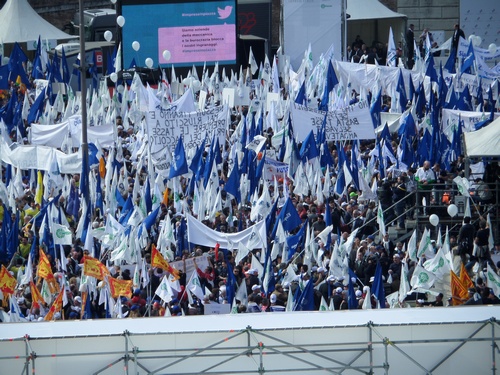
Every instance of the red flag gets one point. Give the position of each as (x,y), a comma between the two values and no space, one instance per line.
(465,278)
(35,294)
(458,290)
(120,287)
(93,267)
(7,281)
(56,306)
(157,260)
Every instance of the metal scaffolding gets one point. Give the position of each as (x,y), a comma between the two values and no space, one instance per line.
(331,345)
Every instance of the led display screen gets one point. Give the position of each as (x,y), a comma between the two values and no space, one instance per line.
(193,32)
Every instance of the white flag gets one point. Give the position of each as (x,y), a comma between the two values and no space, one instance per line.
(252,63)
(380,220)
(404,286)
(391,50)
(425,246)
(422,279)
(195,287)
(62,235)
(257,143)
(493,281)
(164,291)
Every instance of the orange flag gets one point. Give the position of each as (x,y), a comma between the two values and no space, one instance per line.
(458,290)
(35,294)
(157,260)
(165,197)
(44,269)
(120,287)
(56,306)
(93,267)
(102,167)
(465,278)
(7,281)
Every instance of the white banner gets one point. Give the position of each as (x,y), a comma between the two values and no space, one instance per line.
(274,168)
(199,233)
(352,122)
(39,157)
(450,119)
(473,82)
(166,126)
(54,135)
(485,54)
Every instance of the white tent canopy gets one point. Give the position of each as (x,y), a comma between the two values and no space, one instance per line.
(484,142)
(21,23)
(371,20)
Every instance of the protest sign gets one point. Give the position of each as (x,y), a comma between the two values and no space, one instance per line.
(351,122)
(166,126)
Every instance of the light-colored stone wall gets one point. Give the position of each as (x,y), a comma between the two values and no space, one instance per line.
(431,14)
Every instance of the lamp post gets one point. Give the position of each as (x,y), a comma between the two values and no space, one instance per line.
(83,83)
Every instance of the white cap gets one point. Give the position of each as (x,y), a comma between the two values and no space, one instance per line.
(338,290)
(273,298)
(359,293)
(255,287)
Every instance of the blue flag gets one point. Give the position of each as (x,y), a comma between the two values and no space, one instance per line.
(301,95)
(65,68)
(378,290)
(305,298)
(233,182)
(4,77)
(352,302)
(400,88)
(469,60)
(309,150)
(296,241)
(37,108)
(464,102)
(431,71)
(376,108)
(179,165)
(289,217)
(331,82)
(450,63)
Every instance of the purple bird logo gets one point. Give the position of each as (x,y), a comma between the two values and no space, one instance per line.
(224,13)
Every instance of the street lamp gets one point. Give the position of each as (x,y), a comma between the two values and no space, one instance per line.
(83,83)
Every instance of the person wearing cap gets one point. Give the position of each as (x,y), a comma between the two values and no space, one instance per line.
(337,298)
(257,294)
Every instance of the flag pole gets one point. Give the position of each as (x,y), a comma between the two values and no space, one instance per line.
(83,81)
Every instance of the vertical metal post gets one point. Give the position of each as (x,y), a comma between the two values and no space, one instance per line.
(493,349)
(370,345)
(83,84)
(126,356)
(386,351)
(344,24)
(136,370)
(261,358)
(27,363)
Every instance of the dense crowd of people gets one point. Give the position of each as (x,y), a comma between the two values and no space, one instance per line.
(352,217)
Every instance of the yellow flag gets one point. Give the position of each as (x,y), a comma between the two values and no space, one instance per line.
(39,188)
